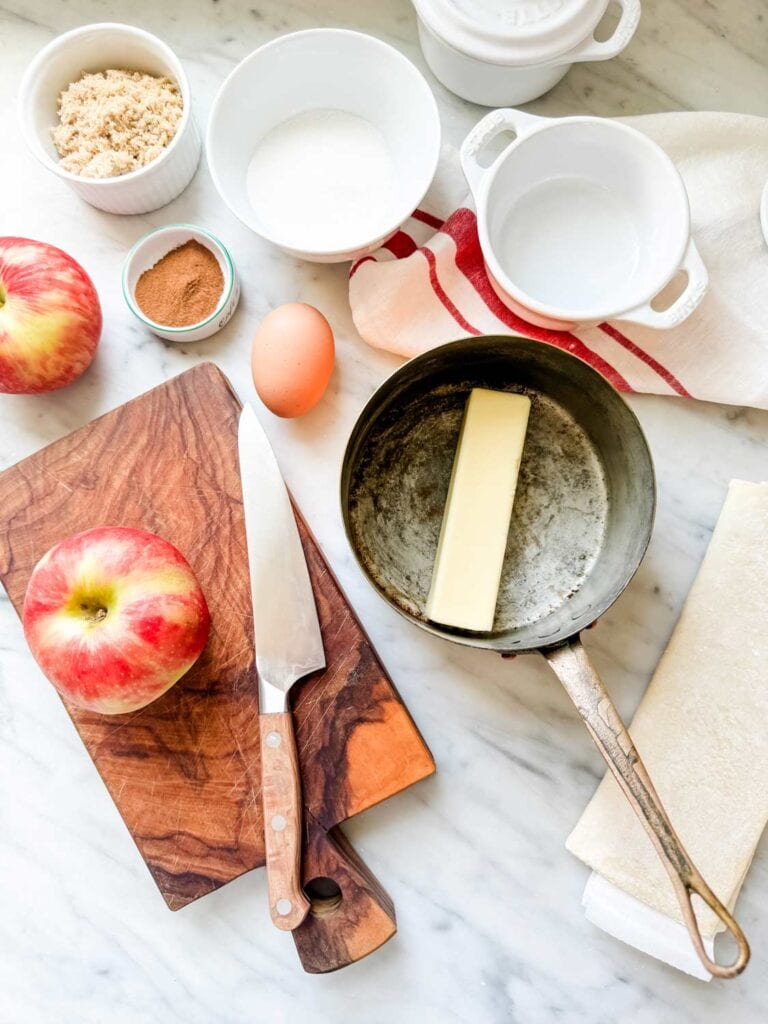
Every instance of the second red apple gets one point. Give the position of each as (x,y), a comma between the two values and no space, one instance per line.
(50,317)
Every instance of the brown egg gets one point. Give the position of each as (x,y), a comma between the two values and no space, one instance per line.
(292,359)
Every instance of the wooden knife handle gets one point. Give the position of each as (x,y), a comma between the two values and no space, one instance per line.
(281,795)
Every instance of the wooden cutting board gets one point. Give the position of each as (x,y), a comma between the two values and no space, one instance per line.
(184,771)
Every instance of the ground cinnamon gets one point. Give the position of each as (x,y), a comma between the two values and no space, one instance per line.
(182,288)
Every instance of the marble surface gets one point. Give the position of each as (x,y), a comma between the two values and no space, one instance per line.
(488,900)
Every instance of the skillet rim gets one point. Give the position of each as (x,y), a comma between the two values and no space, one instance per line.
(492,641)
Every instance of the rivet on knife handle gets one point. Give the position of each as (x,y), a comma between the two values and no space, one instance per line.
(281,795)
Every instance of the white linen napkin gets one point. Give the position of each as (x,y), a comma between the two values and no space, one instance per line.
(427,285)
(637,924)
(701,731)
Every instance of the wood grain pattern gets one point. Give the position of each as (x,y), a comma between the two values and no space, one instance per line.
(340,931)
(185,771)
(281,799)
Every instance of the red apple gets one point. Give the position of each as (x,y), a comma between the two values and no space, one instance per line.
(50,317)
(114,617)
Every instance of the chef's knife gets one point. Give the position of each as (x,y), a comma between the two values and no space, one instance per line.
(289,646)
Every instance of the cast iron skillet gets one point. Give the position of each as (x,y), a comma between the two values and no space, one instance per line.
(582,520)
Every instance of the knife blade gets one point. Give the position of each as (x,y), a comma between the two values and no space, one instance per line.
(289,645)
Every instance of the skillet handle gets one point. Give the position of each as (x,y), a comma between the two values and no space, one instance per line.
(585,688)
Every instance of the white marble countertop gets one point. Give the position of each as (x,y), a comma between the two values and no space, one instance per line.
(490,924)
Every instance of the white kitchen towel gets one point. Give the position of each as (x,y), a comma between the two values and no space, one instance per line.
(627,919)
(701,731)
(427,285)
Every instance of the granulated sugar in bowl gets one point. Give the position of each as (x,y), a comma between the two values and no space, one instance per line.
(324,142)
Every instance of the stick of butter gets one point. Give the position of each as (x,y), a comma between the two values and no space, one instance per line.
(473,536)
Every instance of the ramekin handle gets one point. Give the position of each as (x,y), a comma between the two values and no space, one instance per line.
(682,307)
(591,49)
(493,124)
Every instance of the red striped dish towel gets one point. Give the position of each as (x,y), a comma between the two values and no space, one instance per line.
(427,284)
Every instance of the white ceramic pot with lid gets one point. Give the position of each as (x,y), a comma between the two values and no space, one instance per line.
(505,54)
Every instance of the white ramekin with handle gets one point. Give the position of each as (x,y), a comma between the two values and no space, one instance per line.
(581,220)
(100,47)
(504,54)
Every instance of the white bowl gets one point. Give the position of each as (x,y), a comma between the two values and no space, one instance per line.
(97,48)
(324,69)
(158,243)
(581,220)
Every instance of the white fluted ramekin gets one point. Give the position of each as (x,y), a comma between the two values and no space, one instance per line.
(98,48)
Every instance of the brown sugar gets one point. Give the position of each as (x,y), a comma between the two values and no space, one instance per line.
(182,288)
(116,121)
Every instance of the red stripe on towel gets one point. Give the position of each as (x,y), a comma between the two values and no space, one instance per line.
(400,245)
(428,218)
(440,292)
(356,266)
(462,228)
(641,354)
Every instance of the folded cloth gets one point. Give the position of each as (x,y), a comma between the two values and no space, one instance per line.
(427,285)
(701,731)
(639,925)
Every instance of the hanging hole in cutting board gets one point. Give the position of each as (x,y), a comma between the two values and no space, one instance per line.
(607,24)
(670,293)
(324,894)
